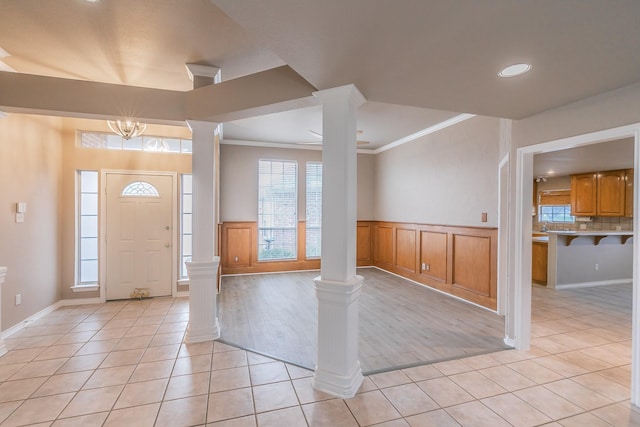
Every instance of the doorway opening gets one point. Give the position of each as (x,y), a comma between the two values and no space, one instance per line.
(522,287)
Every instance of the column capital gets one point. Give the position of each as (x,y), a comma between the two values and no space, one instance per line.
(340,93)
(203,75)
(201,125)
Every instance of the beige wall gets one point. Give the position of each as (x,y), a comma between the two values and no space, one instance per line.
(30,171)
(77,158)
(612,109)
(239,180)
(448,177)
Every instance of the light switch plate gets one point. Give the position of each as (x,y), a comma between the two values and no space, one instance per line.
(20,217)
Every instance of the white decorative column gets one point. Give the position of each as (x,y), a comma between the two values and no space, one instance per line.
(202,271)
(3,273)
(203,268)
(338,288)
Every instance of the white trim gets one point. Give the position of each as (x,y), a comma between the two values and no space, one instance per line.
(592,284)
(85,288)
(318,147)
(297,146)
(79,301)
(435,128)
(503,235)
(510,342)
(523,237)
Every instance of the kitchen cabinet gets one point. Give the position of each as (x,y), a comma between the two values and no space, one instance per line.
(583,194)
(539,252)
(611,193)
(601,194)
(628,198)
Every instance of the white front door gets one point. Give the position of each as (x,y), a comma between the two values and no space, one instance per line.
(138,234)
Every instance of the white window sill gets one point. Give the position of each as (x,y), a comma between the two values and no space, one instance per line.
(85,288)
(183,282)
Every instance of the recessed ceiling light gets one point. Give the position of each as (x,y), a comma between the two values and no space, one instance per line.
(514,70)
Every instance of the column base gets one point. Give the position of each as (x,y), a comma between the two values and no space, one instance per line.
(202,334)
(203,319)
(338,371)
(342,386)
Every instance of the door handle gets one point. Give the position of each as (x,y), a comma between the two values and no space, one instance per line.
(167,245)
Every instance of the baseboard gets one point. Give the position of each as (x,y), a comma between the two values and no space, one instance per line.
(592,284)
(79,301)
(40,314)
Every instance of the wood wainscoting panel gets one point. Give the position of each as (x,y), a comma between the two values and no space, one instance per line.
(363,246)
(383,247)
(405,254)
(237,244)
(462,260)
(433,254)
(472,264)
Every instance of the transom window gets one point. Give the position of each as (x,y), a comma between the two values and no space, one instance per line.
(277,209)
(109,141)
(140,189)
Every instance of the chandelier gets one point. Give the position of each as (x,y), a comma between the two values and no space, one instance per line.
(126,128)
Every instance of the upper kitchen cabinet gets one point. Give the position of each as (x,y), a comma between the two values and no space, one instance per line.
(611,193)
(600,194)
(583,194)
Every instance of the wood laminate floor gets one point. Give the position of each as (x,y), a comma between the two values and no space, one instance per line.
(401,324)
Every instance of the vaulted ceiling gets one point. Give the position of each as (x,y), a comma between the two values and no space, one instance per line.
(417,62)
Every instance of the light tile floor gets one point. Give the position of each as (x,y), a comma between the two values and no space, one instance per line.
(124,364)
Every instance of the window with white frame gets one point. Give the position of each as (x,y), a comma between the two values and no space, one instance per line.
(87,244)
(554,206)
(277,209)
(186,230)
(313,209)
(555,213)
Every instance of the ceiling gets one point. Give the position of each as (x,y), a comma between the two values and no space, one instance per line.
(417,62)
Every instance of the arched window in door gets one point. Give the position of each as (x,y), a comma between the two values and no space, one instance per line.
(140,189)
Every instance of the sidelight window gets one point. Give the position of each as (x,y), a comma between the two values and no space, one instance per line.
(186,215)
(87,223)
